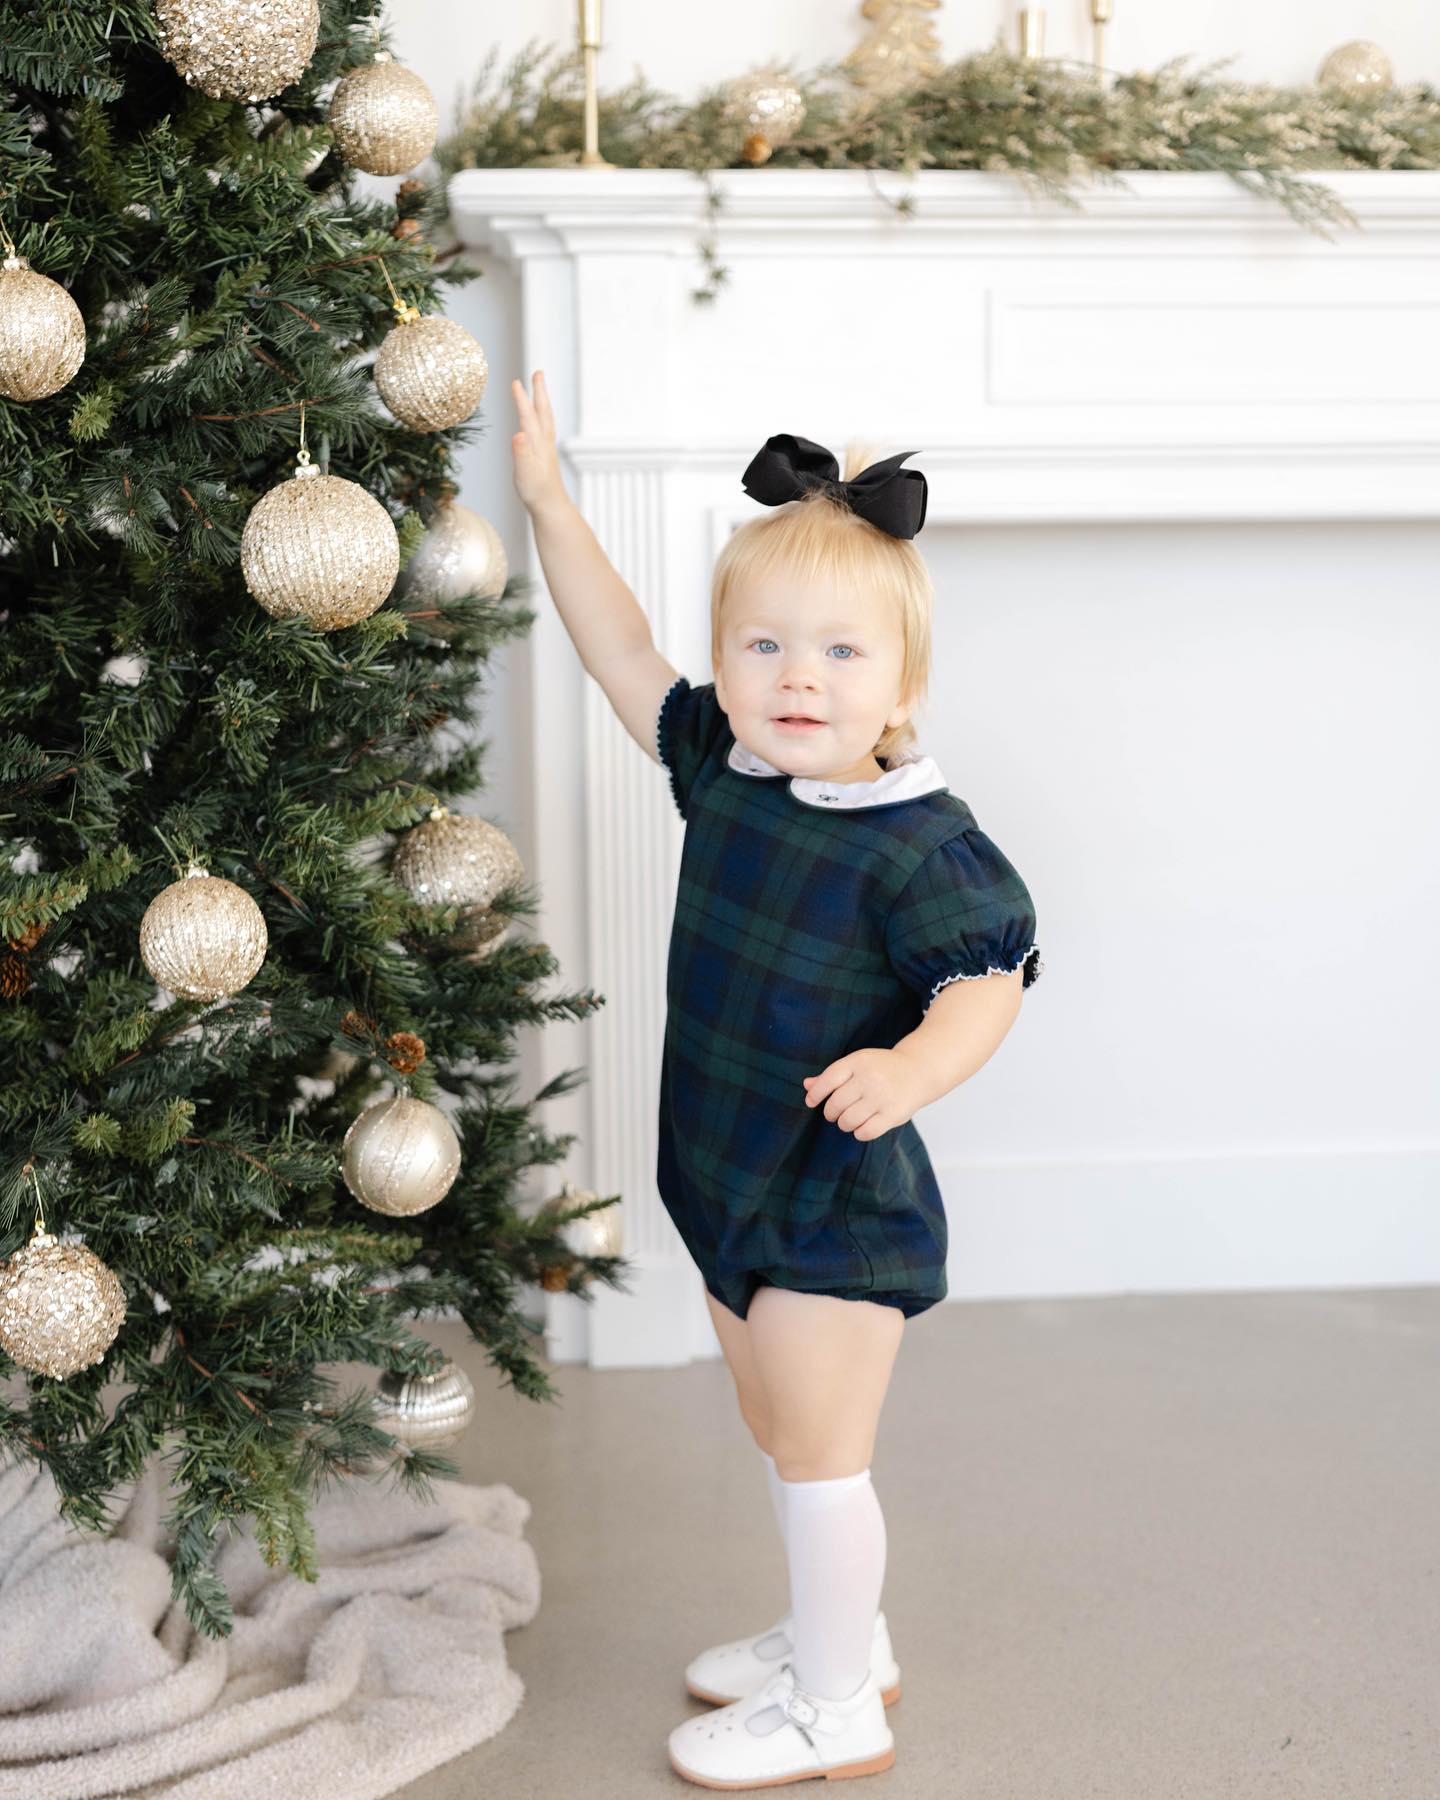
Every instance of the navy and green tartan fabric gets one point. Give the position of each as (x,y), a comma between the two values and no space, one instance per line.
(801,934)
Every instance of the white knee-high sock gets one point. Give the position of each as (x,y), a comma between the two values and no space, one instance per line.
(777,1493)
(836,1550)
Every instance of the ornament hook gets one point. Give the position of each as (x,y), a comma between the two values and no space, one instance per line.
(302,456)
(39,1203)
(404,314)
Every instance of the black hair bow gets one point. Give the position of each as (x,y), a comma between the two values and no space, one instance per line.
(789,467)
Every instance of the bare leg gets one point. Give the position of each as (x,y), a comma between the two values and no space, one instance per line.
(825,1364)
(734,1335)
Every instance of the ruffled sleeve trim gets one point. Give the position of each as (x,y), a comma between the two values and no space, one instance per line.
(1029,961)
(665,735)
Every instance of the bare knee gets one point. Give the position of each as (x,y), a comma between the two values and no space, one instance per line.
(827,1462)
(761,1428)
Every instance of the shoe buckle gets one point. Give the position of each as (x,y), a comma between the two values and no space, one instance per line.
(801,1710)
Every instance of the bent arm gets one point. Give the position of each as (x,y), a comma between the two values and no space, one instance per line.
(963,1027)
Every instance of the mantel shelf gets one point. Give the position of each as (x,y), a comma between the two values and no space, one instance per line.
(816,204)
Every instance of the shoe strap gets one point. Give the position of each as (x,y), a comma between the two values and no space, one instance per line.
(806,1711)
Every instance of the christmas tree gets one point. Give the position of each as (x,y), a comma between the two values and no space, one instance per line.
(208,665)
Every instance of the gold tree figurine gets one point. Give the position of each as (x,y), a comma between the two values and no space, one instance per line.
(901,50)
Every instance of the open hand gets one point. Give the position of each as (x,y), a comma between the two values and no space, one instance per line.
(869,1092)
(537,463)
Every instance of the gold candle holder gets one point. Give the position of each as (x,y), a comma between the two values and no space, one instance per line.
(590,157)
(1032,32)
(1101,13)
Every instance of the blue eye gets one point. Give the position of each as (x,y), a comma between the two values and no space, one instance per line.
(755,644)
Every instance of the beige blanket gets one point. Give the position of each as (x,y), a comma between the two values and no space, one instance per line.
(392,1663)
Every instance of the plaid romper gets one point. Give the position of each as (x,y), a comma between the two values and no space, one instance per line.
(811,919)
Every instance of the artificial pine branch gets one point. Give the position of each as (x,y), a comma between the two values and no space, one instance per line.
(151,713)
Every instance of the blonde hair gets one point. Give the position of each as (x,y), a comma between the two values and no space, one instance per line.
(818,537)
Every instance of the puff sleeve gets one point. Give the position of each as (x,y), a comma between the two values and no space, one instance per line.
(690,725)
(963,914)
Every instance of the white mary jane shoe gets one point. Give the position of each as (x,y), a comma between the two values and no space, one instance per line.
(780,1733)
(731,1671)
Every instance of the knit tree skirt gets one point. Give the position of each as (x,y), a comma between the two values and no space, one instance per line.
(390,1664)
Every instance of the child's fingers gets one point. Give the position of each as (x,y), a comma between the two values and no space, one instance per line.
(522,402)
(542,401)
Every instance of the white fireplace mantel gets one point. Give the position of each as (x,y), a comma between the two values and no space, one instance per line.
(1175,349)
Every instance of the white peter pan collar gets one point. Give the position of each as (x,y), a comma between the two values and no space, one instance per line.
(910,776)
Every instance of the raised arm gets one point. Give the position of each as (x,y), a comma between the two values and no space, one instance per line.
(606,622)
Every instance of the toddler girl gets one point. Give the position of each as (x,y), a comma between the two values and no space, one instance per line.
(848,946)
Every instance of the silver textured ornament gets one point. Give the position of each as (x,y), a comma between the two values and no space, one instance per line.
(460,557)
(430,371)
(238,49)
(1359,67)
(42,335)
(383,118)
(425,1409)
(768,103)
(598,1233)
(400,1157)
(203,937)
(319,547)
(61,1308)
(457,859)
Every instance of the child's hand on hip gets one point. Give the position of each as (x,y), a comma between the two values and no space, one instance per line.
(868,1092)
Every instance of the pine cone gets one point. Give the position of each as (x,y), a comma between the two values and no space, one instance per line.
(406,229)
(359,1025)
(14,976)
(556,1278)
(28,939)
(404,1051)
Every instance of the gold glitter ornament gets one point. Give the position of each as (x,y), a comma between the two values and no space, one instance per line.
(383,118)
(425,1409)
(429,371)
(319,547)
(1359,66)
(238,49)
(770,104)
(400,1157)
(598,1233)
(203,937)
(42,335)
(460,557)
(457,859)
(61,1308)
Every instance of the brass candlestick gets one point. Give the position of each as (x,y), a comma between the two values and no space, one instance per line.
(1101,13)
(1032,32)
(590,157)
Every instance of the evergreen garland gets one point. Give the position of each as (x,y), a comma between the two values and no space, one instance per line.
(1048,122)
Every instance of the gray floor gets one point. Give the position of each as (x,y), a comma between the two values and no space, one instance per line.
(1139,1547)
